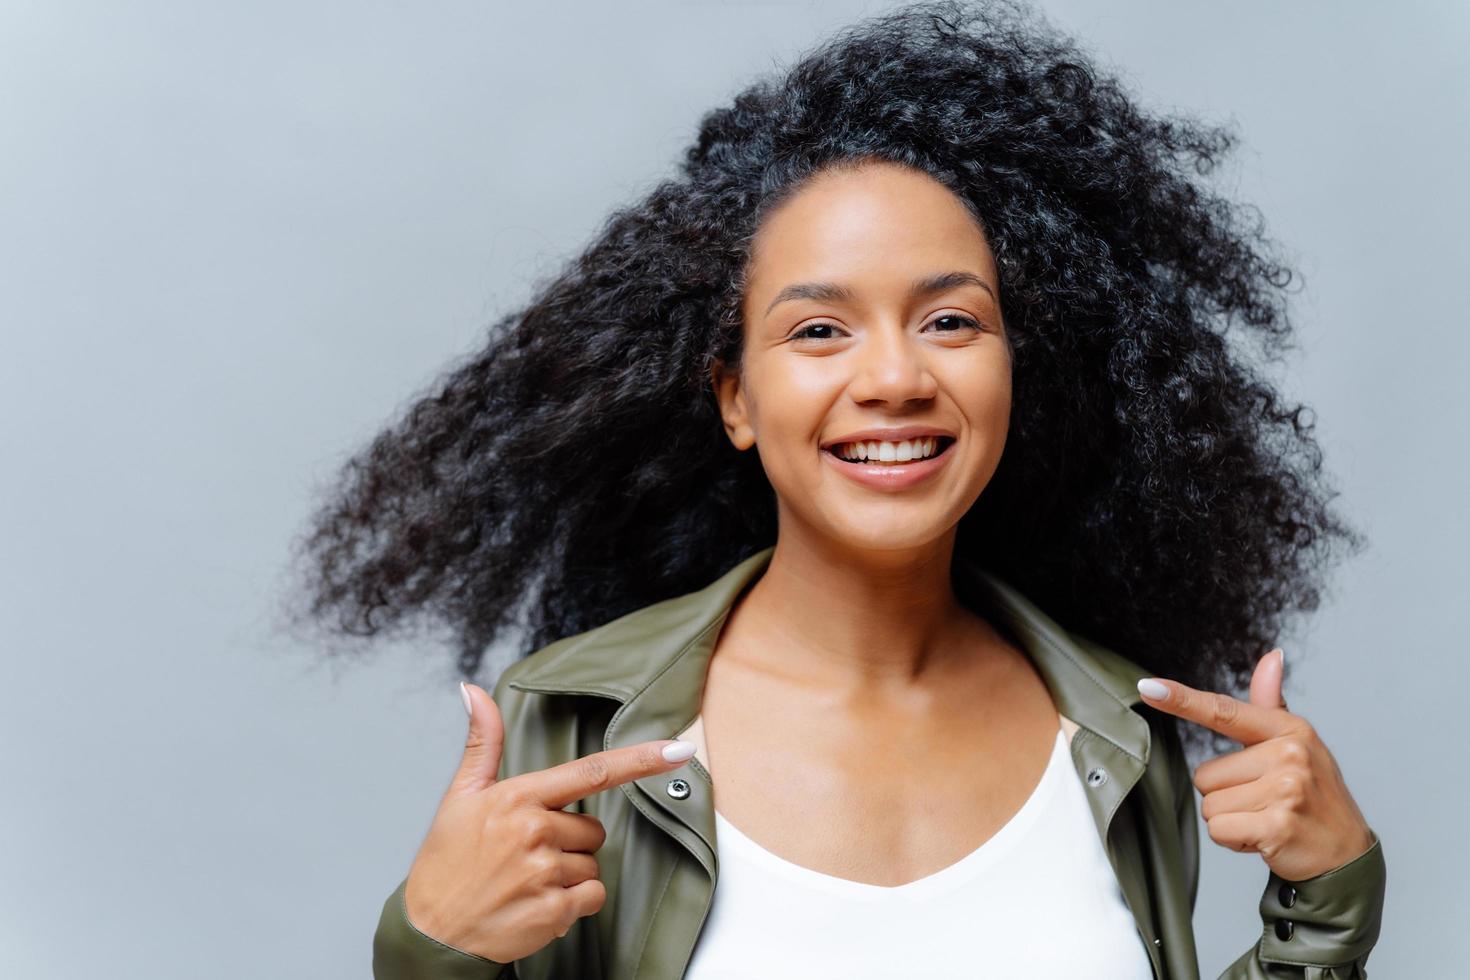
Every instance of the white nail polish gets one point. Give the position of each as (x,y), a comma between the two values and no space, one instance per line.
(1153,689)
(679,751)
(464,695)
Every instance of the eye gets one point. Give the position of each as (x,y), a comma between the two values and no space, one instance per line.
(802,333)
(963,321)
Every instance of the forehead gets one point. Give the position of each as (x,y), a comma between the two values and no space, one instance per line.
(879,222)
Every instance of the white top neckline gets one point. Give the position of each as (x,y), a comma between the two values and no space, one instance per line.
(952,876)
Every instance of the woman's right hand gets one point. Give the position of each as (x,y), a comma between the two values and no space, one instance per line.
(504,869)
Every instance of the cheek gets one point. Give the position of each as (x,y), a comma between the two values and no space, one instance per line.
(995,405)
(982,388)
(790,401)
(812,381)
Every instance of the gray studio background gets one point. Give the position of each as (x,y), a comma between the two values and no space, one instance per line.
(234,239)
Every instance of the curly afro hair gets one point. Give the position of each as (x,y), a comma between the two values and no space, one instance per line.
(1156,494)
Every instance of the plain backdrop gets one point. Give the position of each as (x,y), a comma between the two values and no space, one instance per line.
(236,238)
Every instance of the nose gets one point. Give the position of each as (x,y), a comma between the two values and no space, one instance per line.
(891,367)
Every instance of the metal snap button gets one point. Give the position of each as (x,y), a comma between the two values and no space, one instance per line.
(1286,895)
(1284,928)
(1096,777)
(678,789)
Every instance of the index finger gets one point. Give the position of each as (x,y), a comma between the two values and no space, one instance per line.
(560,785)
(1245,722)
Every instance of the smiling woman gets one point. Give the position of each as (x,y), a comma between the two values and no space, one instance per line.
(906,342)
(873,462)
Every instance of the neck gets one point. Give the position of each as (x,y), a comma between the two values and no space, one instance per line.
(854,622)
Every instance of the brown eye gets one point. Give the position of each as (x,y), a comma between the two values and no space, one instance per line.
(814,326)
(964,322)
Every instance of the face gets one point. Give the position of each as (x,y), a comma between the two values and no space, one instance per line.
(871,315)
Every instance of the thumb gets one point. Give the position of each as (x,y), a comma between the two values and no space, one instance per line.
(1266,680)
(482,743)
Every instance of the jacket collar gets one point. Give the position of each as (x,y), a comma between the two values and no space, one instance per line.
(653,660)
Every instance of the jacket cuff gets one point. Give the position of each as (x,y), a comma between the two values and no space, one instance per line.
(402,952)
(1327,920)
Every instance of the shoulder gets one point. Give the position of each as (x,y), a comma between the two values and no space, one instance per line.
(1109,660)
(556,702)
(531,665)
(1166,749)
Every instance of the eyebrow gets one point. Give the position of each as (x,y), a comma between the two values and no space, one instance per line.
(925,286)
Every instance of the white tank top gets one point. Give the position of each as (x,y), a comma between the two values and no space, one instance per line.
(1038,899)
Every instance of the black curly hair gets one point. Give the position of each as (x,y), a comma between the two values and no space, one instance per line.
(1155,493)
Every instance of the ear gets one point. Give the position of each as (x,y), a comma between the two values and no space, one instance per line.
(730,394)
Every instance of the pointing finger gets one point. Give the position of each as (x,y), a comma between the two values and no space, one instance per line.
(1245,722)
(560,785)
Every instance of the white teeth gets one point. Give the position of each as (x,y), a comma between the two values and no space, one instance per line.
(888,452)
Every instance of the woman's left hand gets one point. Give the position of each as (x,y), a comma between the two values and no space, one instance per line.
(1282,795)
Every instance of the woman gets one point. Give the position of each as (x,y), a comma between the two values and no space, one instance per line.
(926,338)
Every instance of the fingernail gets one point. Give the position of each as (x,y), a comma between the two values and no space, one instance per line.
(1281,655)
(464,695)
(679,751)
(1151,688)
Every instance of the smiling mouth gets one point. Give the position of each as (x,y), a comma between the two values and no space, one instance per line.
(942,444)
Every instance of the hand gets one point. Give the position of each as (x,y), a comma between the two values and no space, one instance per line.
(504,870)
(1282,795)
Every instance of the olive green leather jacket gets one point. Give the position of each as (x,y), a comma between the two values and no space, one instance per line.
(640,678)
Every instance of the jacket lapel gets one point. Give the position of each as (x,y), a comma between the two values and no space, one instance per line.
(1096,688)
(1089,684)
(654,661)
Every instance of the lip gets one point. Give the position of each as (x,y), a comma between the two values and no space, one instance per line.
(890,476)
(897,434)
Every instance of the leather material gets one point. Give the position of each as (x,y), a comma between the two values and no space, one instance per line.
(641,677)
(401,950)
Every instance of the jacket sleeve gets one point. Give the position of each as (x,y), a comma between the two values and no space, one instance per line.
(402,952)
(1322,928)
